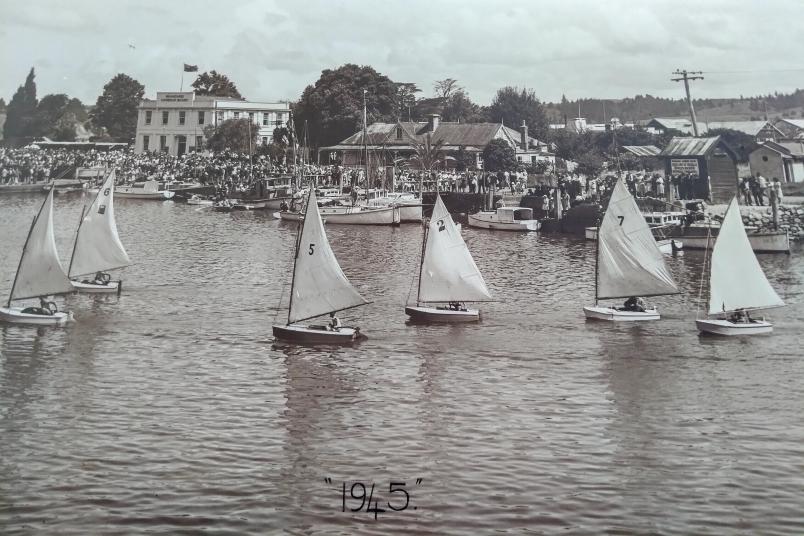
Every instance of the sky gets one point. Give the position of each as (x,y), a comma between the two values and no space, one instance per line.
(273,49)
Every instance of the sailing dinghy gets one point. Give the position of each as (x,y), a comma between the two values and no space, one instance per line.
(97,245)
(737,283)
(447,274)
(319,287)
(629,263)
(39,274)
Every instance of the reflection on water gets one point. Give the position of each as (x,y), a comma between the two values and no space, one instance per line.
(171,409)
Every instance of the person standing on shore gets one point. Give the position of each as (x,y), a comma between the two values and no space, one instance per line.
(762,188)
(745,188)
(659,187)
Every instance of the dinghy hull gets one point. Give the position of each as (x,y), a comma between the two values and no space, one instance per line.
(720,326)
(616,315)
(437,315)
(317,334)
(14,315)
(93,288)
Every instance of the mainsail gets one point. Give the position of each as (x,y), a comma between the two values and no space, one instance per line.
(629,262)
(319,284)
(40,273)
(448,271)
(97,244)
(736,279)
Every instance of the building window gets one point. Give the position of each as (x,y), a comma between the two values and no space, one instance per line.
(220,116)
(237,115)
(182,117)
(764,158)
(264,140)
(163,144)
(399,133)
(200,118)
(266,120)
(251,116)
(165,116)
(199,142)
(148,115)
(146,141)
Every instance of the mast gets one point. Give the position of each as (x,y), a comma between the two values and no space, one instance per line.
(22,255)
(597,257)
(295,258)
(75,242)
(425,228)
(365,144)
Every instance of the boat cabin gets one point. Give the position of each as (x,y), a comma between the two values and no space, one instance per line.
(514,214)
(664,218)
(146,186)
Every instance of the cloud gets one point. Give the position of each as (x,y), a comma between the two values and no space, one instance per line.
(272,49)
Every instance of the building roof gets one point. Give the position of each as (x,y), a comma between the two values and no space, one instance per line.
(452,135)
(642,150)
(683,124)
(675,123)
(788,149)
(694,147)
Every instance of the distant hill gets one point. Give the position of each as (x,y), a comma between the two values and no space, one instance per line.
(645,107)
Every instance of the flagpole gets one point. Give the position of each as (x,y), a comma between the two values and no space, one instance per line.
(181,87)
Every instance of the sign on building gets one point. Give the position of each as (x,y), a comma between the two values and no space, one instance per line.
(684,165)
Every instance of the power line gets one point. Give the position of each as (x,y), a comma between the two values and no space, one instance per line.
(686,76)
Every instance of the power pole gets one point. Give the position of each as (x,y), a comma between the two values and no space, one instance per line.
(686,76)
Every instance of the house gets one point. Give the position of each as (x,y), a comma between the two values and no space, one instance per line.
(646,155)
(789,129)
(390,142)
(711,160)
(683,124)
(783,160)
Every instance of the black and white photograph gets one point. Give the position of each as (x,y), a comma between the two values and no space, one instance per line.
(444,267)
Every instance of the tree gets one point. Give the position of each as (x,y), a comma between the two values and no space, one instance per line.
(590,164)
(743,144)
(428,155)
(406,99)
(215,84)
(499,156)
(116,108)
(2,104)
(461,109)
(445,88)
(21,111)
(239,135)
(464,160)
(512,105)
(333,107)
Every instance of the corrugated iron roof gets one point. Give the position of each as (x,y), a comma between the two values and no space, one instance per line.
(457,134)
(690,146)
(642,150)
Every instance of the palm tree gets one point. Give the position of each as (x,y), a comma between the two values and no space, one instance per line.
(428,155)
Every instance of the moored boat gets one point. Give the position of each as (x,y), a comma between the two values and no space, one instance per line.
(506,219)
(702,236)
(143,190)
(360,215)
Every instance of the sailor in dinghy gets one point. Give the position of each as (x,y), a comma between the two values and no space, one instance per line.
(737,284)
(319,287)
(39,275)
(97,246)
(447,274)
(628,263)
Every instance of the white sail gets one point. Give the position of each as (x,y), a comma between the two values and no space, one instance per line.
(736,279)
(40,273)
(97,245)
(629,262)
(448,271)
(319,284)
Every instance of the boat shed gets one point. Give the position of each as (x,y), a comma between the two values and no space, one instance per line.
(710,162)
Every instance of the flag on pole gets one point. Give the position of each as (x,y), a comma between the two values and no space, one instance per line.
(190,68)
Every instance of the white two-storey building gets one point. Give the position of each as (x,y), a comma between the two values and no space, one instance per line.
(175,122)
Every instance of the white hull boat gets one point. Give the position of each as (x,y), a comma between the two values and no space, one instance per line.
(200,201)
(761,242)
(506,219)
(14,315)
(143,190)
(361,215)
(87,287)
(317,334)
(616,314)
(722,326)
(441,315)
